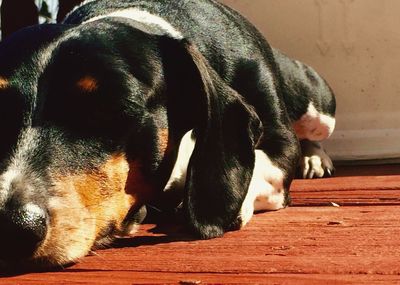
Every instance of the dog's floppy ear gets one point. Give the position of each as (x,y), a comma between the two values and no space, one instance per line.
(226,130)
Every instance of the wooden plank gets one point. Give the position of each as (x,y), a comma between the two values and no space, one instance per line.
(361,185)
(391,182)
(296,240)
(305,245)
(367,170)
(122,277)
(346,198)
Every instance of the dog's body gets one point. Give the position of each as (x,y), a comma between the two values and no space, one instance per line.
(127,101)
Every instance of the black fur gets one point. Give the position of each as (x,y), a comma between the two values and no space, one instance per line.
(221,78)
(231,47)
(302,85)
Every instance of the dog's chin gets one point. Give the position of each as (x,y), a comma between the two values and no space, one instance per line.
(69,240)
(60,251)
(58,257)
(51,256)
(11,268)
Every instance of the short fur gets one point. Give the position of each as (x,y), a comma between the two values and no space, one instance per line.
(93,110)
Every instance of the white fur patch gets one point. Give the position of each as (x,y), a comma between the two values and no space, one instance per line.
(142,17)
(313,125)
(78,6)
(84,3)
(130,230)
(266,191)
(33,209)
(26,142)
(6,179)
(177,179)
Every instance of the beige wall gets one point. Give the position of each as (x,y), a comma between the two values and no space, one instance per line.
(355,45)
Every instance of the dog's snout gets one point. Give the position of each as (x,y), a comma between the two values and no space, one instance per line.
(23,230)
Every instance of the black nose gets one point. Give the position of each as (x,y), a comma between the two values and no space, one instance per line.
(22,231)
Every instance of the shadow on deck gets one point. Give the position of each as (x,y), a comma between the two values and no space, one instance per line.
(342,230)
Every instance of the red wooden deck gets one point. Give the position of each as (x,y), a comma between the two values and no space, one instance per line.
(343,230)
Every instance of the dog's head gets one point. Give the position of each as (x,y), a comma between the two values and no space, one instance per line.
(91,118)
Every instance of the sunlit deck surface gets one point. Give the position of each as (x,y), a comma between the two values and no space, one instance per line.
(342,230)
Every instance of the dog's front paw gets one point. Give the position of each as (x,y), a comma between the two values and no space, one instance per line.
(315,163)
(266,191)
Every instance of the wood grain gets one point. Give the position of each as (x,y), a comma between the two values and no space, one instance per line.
(312,242)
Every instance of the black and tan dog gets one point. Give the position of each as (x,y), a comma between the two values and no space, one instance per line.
(128,100)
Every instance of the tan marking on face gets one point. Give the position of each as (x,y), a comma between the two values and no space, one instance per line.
(84,205)
(163,140)
(3,83)
(104,192)
(137,185)
(87,84)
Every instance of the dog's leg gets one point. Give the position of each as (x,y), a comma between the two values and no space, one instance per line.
(315,163)
(312,128)
(277,152)
(266,191)
(311,105)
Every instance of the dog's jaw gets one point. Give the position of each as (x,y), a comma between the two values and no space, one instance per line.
(100,201)
(68,238)
(86,210)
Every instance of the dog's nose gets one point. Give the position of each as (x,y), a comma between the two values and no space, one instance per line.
(22,231)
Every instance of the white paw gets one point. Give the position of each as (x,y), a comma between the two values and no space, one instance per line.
(266,191)
(314,125)
(315,163)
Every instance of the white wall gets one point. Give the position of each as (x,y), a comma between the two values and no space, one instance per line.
(355,45)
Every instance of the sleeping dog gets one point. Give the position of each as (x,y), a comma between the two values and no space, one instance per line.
(129,100)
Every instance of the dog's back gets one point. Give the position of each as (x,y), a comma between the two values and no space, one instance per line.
(222,35)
